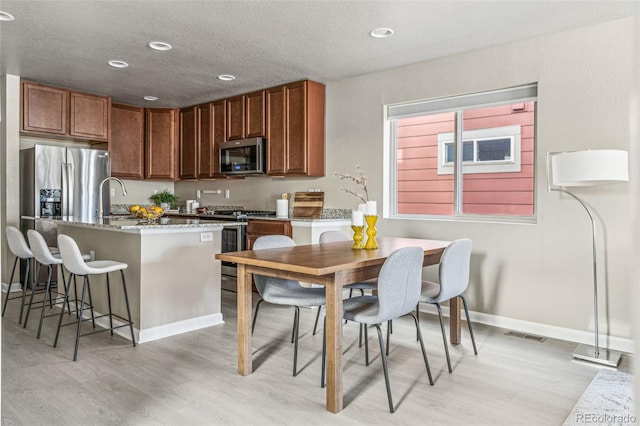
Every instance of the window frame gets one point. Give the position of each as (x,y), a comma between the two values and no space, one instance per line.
(393,112)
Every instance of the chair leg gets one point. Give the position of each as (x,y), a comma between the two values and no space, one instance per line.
(93,320)
(315,326)
(384,367)
(64,283)
(466,313)
(424,352)
(75,294)
(47,292)
(255,315)
(24,290)
(126,302)
(296,330)
(66,300)
(109,303)
(4,307)
(366,345)
(444,336)
(360,336)
(84,288)
(324,353)
(417,317)
(33,292)
(388,335)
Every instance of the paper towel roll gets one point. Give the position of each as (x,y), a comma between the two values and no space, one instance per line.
(282,209)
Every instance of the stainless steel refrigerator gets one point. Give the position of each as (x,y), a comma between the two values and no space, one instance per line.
(61,181)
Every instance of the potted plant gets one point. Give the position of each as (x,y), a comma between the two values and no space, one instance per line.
(164,199)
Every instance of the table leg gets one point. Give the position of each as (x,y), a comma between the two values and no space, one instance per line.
(245,365)
(334,347)
(454,321)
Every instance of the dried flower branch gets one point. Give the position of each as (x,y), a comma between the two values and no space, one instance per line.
(361,180)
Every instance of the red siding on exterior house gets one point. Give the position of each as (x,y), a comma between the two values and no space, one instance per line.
(421,190)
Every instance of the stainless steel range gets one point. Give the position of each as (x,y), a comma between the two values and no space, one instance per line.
(234,238)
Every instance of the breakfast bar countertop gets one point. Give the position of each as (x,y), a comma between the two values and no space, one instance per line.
(131,224)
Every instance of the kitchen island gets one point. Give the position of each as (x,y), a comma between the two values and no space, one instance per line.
(173,279)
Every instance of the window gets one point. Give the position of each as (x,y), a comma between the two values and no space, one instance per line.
(468,156)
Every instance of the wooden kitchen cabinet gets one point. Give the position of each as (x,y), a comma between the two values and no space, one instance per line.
(161,143)
(64,113)
(89,116)
(126,146)
(295,129)
(212,132)
(246,116)
(259,227)
(189,141)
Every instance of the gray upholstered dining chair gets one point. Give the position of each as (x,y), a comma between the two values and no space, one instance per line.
(280,291)
(398,292)
(454,280)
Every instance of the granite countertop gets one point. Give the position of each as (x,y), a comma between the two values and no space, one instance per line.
(123,223)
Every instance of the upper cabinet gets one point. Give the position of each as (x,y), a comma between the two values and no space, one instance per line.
(246,116)
(189,141)
(64,113)
(127,141)
(212,119)
(161,143)
(295,129)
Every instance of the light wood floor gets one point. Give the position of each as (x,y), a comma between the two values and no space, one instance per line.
(191,379)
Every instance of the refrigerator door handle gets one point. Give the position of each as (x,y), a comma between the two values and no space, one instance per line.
(65,189)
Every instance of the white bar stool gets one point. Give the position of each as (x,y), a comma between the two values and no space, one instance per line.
(73,261)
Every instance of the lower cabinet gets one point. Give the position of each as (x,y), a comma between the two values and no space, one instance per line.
(259,227)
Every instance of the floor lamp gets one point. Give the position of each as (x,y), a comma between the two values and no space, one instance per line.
(588,168)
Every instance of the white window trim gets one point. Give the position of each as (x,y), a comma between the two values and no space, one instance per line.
(501,166)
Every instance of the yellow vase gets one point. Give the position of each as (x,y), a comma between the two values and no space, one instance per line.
(357,237)
(371,232)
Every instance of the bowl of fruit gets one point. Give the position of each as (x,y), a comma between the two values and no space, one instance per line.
(146,214)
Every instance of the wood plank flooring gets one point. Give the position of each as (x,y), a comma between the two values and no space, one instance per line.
(191,379)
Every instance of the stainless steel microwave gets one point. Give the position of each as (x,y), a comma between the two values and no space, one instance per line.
(243,157)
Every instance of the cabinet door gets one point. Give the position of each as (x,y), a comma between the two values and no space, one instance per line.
(276,129)
(189,140)
(235,118)
(296,128)
(212,133)
(257,228)
(44,109)
(161,143)
(89,116)
(127,141)
(255,117)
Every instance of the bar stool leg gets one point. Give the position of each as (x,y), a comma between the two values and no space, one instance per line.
(4,307)
(85,285)
(33,292)
(109,301)
(75,294)
(44,304)
(93,320)
(126,300)
(24,290)
(66,300)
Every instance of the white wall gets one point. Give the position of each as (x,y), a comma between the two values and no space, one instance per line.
(536,273)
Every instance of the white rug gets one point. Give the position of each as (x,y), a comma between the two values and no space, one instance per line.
(608,400)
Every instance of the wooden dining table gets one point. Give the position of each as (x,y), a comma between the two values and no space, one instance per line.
(332,265)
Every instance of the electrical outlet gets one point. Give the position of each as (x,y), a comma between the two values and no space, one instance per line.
(92,255)
(227,193)
(206,236)
(113,192)
(156,191)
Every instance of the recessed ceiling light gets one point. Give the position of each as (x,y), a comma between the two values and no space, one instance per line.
(4,16)
(381,33)
(226,77)
(150,98)
(118,64)
(159,45)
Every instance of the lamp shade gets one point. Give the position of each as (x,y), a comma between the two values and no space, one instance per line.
(588,168)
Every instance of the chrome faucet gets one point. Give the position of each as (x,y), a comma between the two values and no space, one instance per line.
(124,192)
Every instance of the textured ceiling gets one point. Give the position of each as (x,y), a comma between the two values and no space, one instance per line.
(262,43)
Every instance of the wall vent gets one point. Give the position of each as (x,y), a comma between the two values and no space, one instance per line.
(526,336)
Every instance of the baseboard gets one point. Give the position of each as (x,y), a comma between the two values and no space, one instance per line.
(158,332)
(551,331)
(14,287)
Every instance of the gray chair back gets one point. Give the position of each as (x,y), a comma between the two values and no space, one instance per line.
(399,283)
(17,244)
(271,242)
(454,269)
(40,249)
(333,237)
